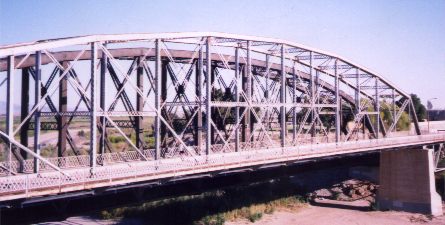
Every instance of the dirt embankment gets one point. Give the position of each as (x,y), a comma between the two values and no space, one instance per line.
(348,202)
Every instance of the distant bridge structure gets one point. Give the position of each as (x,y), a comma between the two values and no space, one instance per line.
(185,104)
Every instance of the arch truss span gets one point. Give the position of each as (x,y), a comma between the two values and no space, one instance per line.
(94,100)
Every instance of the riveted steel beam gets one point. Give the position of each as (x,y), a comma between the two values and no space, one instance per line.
(139,104)
(208,95)
(63,107)
(283,129)
(93,109)
(24,106)
(158,81)
(37,96)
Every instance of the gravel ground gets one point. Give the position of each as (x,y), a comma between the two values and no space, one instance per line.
(313,215)
(345,203)
(310,215)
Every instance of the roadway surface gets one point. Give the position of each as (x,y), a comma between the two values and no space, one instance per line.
(22,186)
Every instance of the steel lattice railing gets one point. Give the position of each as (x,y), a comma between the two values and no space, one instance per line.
(66,162)
(69,162)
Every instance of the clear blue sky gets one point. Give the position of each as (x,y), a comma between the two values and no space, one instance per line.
(402,40)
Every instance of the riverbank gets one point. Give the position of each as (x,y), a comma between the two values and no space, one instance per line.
(320,215)
(308,215)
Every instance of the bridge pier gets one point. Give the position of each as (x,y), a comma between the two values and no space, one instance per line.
(407,182)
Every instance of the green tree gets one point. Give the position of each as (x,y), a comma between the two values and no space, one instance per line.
(219,114)
(419,107)
(404,122)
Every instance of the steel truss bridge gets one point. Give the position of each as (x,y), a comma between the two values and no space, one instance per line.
(185,104)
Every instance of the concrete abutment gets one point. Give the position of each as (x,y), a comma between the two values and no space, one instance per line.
(407,182)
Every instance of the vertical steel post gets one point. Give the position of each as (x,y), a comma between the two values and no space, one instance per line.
(340,115)
(213,110)
(139,104)
(357,91)
(267,93)
(62,121)
(316,101)
(316,88)
(377,108)
(237,100)
(413,116)
(394,112)
(24,110)
(249,88)
(283,99)
(37,96)
(252,116)
(157,131)
(208,96)
(103,121)
(357,98)
(294,100)
(198,87)
(93,109)
(267,78)
(10,106)
(312,82)
(164,112)
(244,121)
(337,103)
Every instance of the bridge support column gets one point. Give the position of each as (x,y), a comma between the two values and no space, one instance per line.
(407,182)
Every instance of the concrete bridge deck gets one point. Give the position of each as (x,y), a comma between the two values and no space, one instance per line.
(76,179)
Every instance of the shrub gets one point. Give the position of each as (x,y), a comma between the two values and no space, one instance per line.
(212,220)
(116,139)
(49,151)
(255,216)
(81,133)
(404,122)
